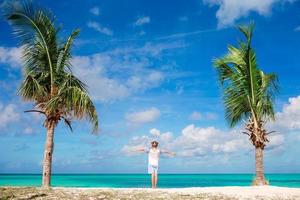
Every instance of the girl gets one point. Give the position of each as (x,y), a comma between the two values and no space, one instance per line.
(153,158)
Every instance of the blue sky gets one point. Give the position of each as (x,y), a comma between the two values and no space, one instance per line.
(148,65)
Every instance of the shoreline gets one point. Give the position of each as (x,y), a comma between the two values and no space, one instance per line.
(226,193)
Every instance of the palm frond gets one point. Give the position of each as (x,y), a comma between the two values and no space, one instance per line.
(68,122)
(65,54)
(77,102)
(35,29)
(31,89)
(247,30)
(248,91)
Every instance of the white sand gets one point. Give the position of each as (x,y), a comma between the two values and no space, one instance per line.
(247,192)
(253,192)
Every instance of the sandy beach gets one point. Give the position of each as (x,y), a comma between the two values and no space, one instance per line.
(207,193)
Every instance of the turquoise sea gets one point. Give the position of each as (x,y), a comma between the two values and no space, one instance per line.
(143,180)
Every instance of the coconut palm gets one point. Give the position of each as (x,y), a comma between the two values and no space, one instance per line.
(48,79)
(248,94)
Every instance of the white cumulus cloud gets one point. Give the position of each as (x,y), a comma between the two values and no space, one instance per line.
(138,142)
(142,117)
(8,115)
(289,117)
(231,10)
(196,141)
(152,79)
(121,72)
(11,56)
(275,141)
(91,69)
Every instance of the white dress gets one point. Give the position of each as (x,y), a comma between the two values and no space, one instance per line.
(153,158)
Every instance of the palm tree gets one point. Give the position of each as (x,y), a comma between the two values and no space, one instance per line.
(48,79)
(248,93)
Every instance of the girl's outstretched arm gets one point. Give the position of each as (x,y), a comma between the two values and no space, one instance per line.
(142,150)
(168,152)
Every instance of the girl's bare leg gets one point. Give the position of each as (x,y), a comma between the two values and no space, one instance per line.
(156,177)
(153,180)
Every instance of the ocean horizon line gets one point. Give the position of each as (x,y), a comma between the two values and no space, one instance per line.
(283,173)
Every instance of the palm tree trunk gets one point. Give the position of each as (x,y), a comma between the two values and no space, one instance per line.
(259,167)
(47,166)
